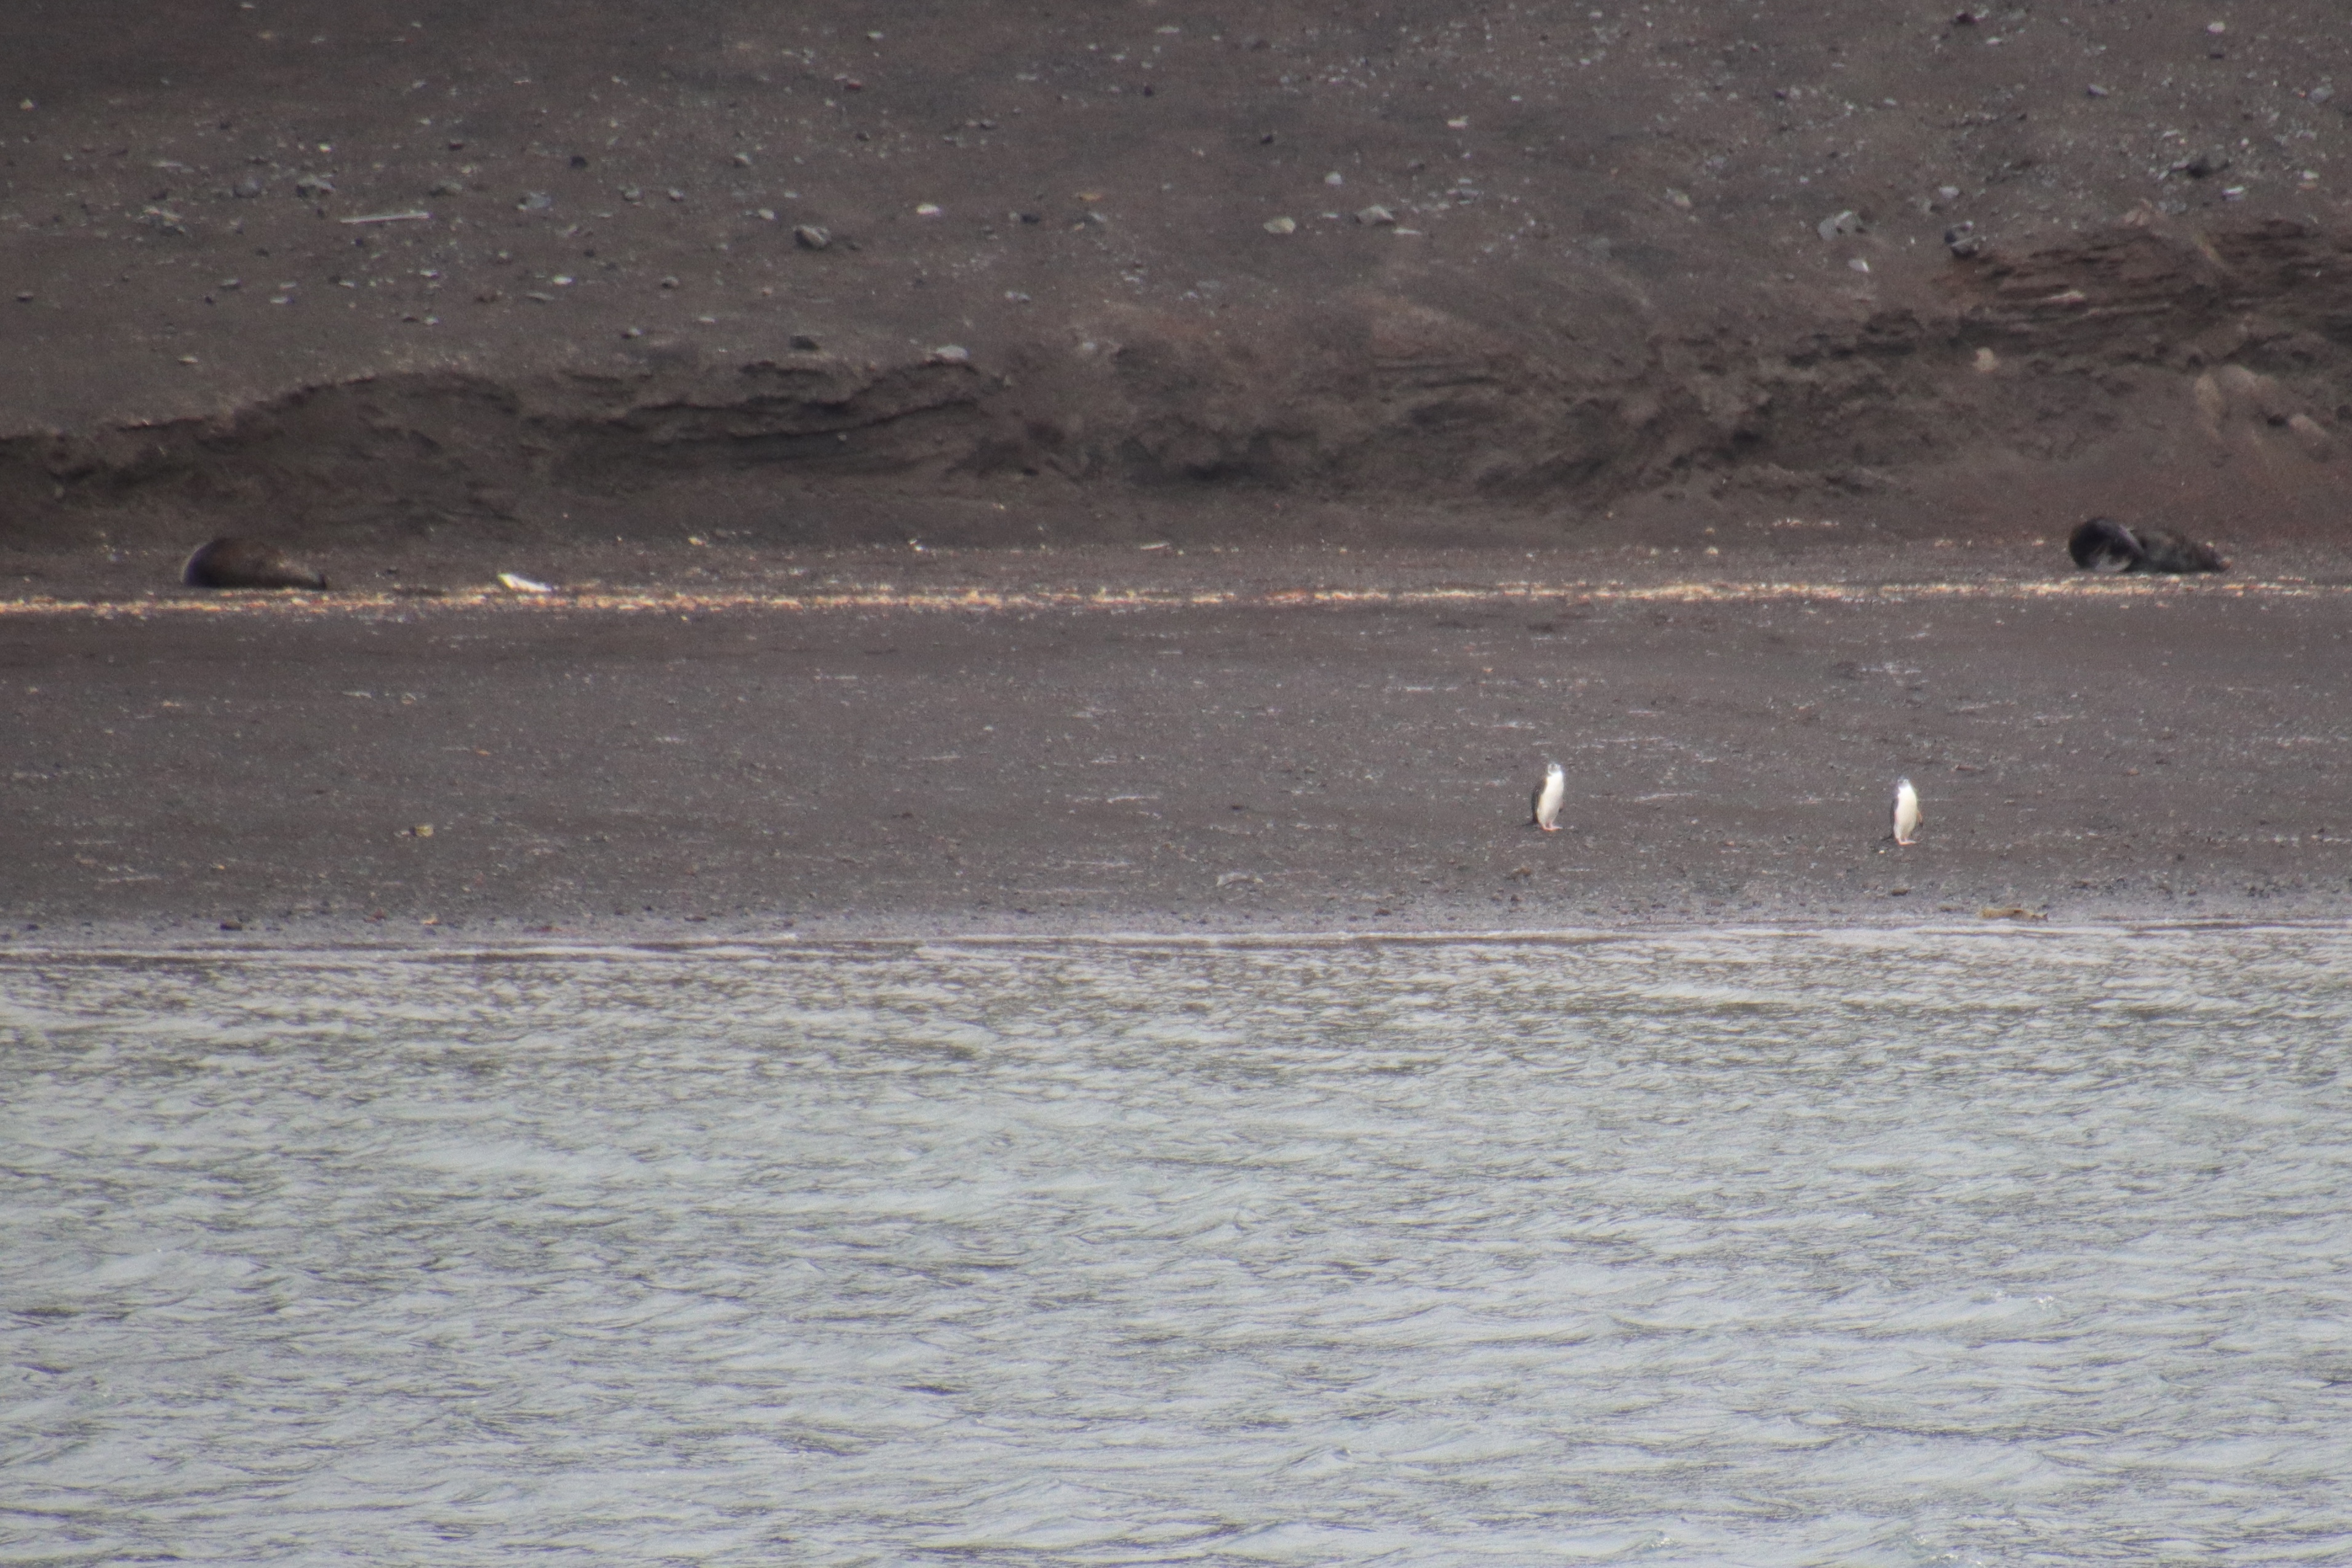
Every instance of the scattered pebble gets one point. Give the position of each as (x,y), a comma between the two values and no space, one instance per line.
(808,236)
(1838,225)
(675,194)
(534,202)
(742,160)
(951,353)
(512,583)
(1376,216)
(1281,226)
(1335,178)
(927,209)
(670,282)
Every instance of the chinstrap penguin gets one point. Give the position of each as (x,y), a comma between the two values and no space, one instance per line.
(1545,803)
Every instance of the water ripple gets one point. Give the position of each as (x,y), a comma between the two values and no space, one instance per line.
(1864,1248)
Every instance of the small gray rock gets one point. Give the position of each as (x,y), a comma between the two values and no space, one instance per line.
(1963,241)
(808,236)
(1839,225)
(1375,215)
(534,202)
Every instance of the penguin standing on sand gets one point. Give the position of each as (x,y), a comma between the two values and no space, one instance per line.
(1907,813)
(1545,802)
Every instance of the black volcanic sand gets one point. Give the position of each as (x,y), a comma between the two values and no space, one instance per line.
(338,271)
(431,292)
(1011,744)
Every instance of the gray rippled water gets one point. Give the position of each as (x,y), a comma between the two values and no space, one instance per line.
(1755,1248)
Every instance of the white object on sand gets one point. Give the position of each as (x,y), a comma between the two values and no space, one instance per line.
(1545,803)
(1907,812)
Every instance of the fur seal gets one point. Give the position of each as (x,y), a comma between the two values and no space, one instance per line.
(230,563)
(2103,544)
(1545,802)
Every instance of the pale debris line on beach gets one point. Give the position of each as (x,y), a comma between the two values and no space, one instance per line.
(514,583)
(1139,598)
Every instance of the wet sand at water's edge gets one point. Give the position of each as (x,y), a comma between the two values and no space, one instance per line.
(998,754)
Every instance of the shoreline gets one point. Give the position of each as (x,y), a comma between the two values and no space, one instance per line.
(109,946)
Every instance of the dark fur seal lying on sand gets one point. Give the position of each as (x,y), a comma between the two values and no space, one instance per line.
(2103,544)
(247,564)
